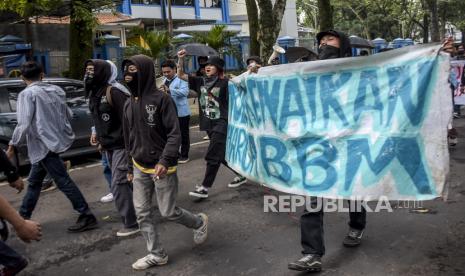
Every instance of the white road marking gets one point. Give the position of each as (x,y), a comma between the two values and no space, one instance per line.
(200,143)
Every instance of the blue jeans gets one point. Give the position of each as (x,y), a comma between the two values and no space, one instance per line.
(106,169)
(52,164)
(9,257)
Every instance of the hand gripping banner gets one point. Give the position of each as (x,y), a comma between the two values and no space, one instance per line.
(366,126)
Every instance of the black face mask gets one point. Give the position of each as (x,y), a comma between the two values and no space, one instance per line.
(133,85)
(461,52)
(328,52)
(88,82)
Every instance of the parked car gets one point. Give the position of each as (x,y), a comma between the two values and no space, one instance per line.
(75,98)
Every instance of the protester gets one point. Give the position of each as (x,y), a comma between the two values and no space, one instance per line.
(364,53)
(152,137)
(179,90)
(202,61)
(43,119)
(332,44)
(47,184)
(106,104)
(106,167)
(460,54)
(253,64)
(212,93)
(26,230)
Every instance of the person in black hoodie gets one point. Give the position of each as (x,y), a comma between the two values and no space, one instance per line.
(332,44)
(152,137)
(212,90)
(106,104)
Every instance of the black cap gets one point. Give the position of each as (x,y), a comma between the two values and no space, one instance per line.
(253,58)
(216,61)
(320,35)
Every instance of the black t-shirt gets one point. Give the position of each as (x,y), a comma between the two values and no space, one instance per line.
(213,104)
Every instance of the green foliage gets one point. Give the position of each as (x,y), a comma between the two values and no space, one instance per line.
(158,43)
(221,40)
(380,18)
(217,38)
(27,8)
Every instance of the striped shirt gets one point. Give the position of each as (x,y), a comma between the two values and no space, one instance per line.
(43,120)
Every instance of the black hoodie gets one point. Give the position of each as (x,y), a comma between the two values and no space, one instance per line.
(151,126)
(345,50)
(108,119)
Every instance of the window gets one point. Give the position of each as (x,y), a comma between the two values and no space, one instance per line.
(146,2)
(210,3)
(182,3)
(75,94)
(13,92)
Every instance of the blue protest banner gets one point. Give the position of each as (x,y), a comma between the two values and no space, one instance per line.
(366,126)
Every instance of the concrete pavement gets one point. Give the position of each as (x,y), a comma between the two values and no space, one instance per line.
(243,240)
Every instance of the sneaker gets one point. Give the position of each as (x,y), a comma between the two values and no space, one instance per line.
(48,186)
(308,262)
(83,223)
(200,234)
(353,238)
(206,137)
(107,198)
(237,181)
(183,160)
(199,192)
(150,260)
(125,232)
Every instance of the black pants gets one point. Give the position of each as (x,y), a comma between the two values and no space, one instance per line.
(185,140)
(215,157)
(312,230)
(10,258)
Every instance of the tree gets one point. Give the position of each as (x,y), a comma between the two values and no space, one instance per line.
(433,9)
(81,32)
(252,14)
(325,18)
(270,18)
(27,9)
(82,23)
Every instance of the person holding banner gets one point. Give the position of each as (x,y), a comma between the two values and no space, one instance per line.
(213,102)
(332,44)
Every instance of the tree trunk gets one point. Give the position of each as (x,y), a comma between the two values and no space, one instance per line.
(425,28)
(28,38)
(170,20)
(81,40)
(433,8)
(252,14)
(325,16)
(269,25)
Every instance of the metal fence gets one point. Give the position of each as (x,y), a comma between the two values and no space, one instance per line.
(59,62)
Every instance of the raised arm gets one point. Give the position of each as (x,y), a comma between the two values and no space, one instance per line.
(181,74)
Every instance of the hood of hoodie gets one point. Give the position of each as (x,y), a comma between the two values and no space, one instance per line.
(145,74)
(345,50)
(102,73)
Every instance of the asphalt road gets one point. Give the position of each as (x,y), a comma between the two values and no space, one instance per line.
(244,240)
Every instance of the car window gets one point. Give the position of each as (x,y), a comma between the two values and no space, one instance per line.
(75,94)
(13,92)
